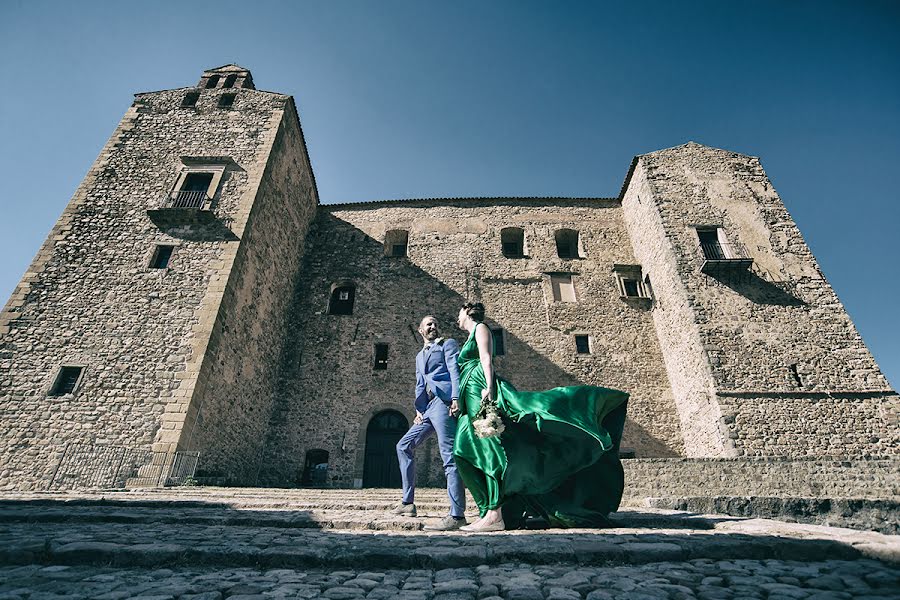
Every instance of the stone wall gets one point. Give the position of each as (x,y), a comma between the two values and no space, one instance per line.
(674,318)
(781,477)
(238,382)
(90,299)
(329,390)
(776,330)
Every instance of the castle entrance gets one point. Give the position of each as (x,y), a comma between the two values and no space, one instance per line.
(381,467)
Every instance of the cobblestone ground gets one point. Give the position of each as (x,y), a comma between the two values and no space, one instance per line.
(704,579)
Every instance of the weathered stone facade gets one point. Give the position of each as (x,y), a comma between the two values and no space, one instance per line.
(231,350)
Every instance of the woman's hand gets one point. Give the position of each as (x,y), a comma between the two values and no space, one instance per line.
(485,393)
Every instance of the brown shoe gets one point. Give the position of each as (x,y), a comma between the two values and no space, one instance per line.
(448,523)
(405,510)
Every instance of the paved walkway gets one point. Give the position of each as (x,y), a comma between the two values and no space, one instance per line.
(227,543)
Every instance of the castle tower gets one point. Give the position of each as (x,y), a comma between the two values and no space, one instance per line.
(762,357)
(148,320)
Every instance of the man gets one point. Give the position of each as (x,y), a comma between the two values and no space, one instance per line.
(436,402)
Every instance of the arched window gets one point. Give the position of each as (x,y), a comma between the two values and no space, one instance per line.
(315,468)
(567,243)
(512,240)
(342,297)
(212,82)
(229,81)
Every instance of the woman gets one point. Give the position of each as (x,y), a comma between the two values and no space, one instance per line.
(552,454)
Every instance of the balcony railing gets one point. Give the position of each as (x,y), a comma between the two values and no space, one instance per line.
(720,256)
(187,199)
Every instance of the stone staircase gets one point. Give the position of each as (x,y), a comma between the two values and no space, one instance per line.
(239,527)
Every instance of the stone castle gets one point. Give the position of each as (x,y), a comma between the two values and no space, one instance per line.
(196,305)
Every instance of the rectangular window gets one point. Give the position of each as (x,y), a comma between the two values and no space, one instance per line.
(631,287)
(381,357)
(190,99)
(563,287)
(711,243)
(226,100)
(582,344)
(630,282)
(499,342)
(161,257)
(396,242)
(66,381)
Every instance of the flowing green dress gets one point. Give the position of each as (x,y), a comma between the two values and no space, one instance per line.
(558,457)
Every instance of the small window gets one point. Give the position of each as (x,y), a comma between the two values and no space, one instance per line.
(629,281)
(582,344)
(161,257)
(229,81)
(315,468)
(341,302)
(226,100)
(795,373)
(66,381)
(381,357)
(632,288)
(190,99)
(563,287)
(212,82)
(567,243)
(499,341)
(512,240)
(711,243)
(197,182)
(396,243)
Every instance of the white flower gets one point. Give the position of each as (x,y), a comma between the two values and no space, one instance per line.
(491,425)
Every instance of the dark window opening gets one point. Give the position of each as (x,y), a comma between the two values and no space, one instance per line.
(632,289)
(161,257)
(796,375)
(567,243)
(212,82)
(197,182)
(315,468)
(396,243)
(190,99)
(512,240)
(582,344)
(341,302)
(226,100)
(381,357)
(66,381)
(499,342)
(710,244)
(229,81)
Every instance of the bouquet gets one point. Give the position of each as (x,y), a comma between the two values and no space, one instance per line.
(488,422)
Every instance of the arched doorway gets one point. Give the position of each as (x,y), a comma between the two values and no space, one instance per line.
(381,467)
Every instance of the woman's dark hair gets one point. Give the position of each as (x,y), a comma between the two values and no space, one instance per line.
(475,310)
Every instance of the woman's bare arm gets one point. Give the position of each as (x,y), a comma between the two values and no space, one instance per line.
(485,342)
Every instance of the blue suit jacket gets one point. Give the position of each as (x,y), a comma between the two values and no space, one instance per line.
(436,370)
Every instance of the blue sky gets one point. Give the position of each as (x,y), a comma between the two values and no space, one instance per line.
(487,98)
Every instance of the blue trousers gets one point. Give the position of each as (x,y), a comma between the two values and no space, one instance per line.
(436,420)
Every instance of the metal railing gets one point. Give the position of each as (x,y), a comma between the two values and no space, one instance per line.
(89,466)
(724,251)
(186,199)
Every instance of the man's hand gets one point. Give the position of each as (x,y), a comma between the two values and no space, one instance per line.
(419,418)
(454,408)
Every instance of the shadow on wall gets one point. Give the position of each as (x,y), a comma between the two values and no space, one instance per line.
(328,385)
(756,289)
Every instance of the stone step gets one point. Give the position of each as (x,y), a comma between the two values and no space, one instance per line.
(161,544)
(344,518)
(260,528)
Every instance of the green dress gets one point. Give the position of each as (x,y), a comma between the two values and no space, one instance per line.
(558,457)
